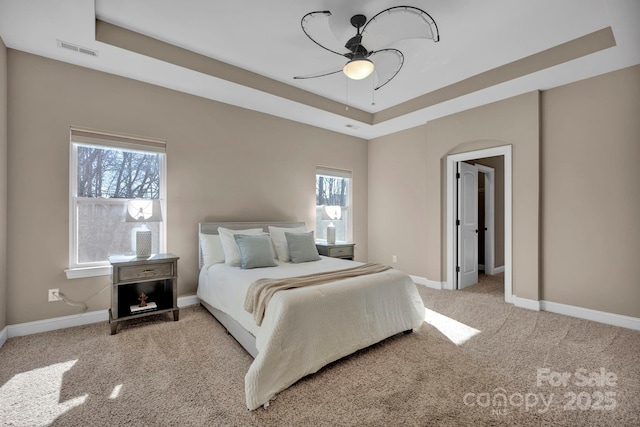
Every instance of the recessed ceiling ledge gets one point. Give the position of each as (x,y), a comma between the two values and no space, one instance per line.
(565,52)
(144,45)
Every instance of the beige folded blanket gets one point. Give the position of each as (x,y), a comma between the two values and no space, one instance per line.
(261,291)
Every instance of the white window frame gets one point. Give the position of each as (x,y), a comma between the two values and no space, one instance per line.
(339,173)
(108,140)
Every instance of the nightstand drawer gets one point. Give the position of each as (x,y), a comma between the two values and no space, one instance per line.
(148,271)
(340,252)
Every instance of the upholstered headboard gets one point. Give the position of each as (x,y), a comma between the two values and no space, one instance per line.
(212,228)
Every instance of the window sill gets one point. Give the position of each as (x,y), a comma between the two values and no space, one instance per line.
(79,273)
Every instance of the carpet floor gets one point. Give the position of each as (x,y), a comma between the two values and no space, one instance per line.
(476,361)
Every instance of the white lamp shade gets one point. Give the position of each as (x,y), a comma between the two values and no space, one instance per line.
(144,211)
(332,213)
(358,69)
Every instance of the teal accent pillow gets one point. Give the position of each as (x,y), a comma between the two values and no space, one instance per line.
(302,247)
(255,251)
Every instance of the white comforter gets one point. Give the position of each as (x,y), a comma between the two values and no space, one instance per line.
(304,329)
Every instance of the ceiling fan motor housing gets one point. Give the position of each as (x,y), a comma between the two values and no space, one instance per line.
(355,43)
(358,21)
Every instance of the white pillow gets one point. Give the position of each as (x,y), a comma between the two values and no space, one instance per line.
(229,245)
(211,247)
(280,241)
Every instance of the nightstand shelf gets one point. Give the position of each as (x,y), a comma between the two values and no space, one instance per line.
(156,277)
(336,250)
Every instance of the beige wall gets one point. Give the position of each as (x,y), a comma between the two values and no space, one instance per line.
(224,163)
(591,193)
(514,122)
(3,185)
(576,192)
(398,200)
(419,157)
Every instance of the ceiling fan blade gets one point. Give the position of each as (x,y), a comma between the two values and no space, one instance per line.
(398,23)
(316,26)
(388,63)
(319,74)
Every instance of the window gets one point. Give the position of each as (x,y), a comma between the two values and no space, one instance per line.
(106,171)
(333,203)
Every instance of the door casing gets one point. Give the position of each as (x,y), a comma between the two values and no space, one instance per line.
(450,213)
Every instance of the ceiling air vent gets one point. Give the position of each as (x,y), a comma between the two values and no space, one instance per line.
(76,48)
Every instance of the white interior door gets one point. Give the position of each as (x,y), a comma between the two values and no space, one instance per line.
(468,226)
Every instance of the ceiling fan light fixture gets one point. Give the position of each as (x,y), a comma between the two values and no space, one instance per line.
(358,68)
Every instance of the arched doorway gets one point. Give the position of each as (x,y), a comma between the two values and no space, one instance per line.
(452,246)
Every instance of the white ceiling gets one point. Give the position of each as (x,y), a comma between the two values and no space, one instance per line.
(265,37)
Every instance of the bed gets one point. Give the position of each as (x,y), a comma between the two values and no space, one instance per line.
(303,329)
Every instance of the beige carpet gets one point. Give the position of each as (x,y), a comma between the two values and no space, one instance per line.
(159,372)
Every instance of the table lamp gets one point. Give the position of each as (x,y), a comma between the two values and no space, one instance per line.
(331,213)
(142,211)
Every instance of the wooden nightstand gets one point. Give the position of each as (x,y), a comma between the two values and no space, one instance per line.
(336,250)
(156,277)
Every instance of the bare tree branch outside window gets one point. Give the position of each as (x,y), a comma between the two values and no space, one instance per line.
(331,191)
(111,173)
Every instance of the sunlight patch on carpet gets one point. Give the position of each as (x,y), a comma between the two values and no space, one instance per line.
(35,395)
(116,392)
(457,332)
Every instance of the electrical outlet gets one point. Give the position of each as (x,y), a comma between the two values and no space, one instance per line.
(54,295)
(394,258)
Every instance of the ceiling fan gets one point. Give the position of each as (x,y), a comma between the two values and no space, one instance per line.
(385,28)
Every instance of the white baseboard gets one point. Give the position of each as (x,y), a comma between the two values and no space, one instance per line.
(579,312)
(70,321)
(57,323)
(4,336)
(589,314)
(188,300)
(529,304)
(498,270)
(426,282)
